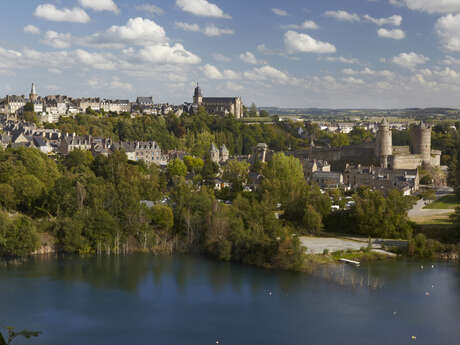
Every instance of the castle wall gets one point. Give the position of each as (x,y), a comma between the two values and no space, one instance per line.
(401,150)
(435,158)
(406,161)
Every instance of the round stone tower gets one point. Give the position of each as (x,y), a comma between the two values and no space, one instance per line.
(420,136)
(384,144)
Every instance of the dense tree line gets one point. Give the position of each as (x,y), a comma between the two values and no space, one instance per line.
(104,205)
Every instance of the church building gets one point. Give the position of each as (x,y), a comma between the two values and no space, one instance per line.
(218,105)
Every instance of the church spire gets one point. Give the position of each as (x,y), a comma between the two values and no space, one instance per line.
(33,93)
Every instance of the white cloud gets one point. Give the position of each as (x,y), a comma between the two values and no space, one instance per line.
(100,5)
(343,16)
(369,72)
(448,29)
(212,72)
(50,12)
(212,31)
(138,31)
(233,86)
(201,8)
(54,70)
(32,29)
(430,6)
(449,60)
(152,9)
(267,73)
(297,42)
(166,54)
(341,59)
(188,27)
(57,40)
(395,34)
(410,60)
(306,25)
(95,60)
(221,58)
(393,20)
(279,12)
(118,84)
(230,74)
(250,58)
(353,80)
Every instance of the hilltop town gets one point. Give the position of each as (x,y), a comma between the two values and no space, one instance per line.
(377,164)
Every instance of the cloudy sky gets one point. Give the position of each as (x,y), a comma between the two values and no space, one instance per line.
(305,53)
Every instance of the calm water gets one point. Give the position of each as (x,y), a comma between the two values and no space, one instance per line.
(142,299)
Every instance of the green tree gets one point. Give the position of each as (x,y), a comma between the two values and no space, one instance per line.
(236,173)
(312,220)
(284,178)
(177,167)
(253,110)
(7,196)
(18,236)
(194,164)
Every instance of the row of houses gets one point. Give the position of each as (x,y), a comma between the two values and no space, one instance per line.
(51,141)
(347,127)
(51,108)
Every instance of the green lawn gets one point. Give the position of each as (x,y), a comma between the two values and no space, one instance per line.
(445,203)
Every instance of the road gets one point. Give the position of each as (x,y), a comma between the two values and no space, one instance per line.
(418,211)
(317,245)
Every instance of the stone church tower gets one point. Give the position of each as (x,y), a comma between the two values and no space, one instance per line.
(197,96)
(33,94)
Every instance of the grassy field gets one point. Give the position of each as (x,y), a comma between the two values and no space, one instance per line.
(445,203)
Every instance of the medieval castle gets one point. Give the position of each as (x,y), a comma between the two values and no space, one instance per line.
(382,153)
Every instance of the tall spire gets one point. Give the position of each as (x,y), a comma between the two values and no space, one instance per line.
(33,94)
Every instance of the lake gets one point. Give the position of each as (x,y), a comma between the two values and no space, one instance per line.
(180,300)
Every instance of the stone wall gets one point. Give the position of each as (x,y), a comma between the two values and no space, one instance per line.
(406,161)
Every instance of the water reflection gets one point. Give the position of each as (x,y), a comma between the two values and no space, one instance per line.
(143,299)
(128,272)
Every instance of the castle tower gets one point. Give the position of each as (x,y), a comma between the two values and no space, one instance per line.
(420,139)
(384,144)
(197,96)
(33,94)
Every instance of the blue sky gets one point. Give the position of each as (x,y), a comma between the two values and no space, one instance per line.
(297,53)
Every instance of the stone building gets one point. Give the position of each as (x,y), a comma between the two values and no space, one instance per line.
(384,179)
(218,105)
(219,155)
(327,179)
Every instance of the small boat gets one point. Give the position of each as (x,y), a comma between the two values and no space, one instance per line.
(357,263)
